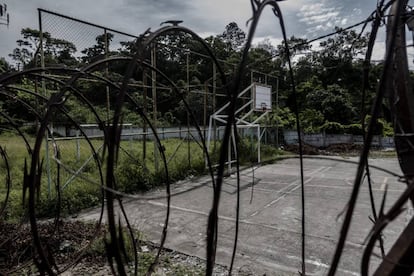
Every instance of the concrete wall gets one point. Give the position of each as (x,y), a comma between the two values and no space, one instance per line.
(324,140)
(137,133)
(290,136)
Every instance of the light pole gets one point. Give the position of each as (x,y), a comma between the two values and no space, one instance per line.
(4,15)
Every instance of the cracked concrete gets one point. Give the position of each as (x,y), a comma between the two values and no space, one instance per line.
(270,216)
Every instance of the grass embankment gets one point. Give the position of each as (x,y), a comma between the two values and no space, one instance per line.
(80,179)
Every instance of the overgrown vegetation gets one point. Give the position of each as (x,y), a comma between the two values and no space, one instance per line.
(328,86)
(72,238)
(80,185)
(328,80)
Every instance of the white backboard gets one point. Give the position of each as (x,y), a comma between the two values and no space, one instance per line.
(262,97)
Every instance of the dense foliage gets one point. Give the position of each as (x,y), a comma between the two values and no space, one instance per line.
(328,79)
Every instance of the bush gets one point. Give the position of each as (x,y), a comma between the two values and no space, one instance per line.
(14,209)
(378,127)
(332,128)
(354,129)
(74,198)
(387,129)
(247,151)
(132,176)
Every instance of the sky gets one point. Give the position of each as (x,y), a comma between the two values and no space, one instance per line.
(303,18)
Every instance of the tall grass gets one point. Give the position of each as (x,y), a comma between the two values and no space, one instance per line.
(80,184)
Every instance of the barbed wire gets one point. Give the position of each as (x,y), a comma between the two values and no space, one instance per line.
(106,156)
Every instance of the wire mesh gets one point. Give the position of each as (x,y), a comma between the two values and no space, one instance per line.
(87,38)
(102,162)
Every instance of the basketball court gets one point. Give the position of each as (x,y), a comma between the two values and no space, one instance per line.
(270,216)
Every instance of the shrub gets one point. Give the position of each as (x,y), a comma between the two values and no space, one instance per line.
(387,129)
(74,198)
(332,128)
(354,129)
(378,127)
(246,150)
(132,176)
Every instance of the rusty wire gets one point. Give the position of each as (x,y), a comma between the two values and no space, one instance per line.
(44,259)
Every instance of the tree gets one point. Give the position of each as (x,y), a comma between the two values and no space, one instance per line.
(56,51)
(337,57)
(344,46)
(267,46)
(303,89)
(99,50)
(333,103)
(262,58)
(311,120)
(233,36)
(283,117)
(4,65)
(62,51)
(296,45)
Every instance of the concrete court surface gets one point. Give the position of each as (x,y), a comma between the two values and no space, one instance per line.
(270,216)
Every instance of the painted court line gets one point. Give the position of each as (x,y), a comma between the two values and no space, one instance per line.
(244,221)
(384,184)
(289,189)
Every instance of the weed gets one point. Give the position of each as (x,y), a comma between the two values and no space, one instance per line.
(133,173)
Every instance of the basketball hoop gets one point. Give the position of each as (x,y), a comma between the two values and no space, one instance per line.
(262,95)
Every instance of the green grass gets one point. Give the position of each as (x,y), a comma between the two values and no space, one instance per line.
(133,173)
(383,154)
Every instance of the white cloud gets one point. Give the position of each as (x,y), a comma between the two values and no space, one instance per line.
(379,51)
(320,17)
(272,40)
(356,11)
(302,18)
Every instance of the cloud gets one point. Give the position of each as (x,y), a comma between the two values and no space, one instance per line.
(320,17)
(317,13)
(303,18)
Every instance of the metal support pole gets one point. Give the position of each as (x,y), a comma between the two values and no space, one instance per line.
(131,130)
(399,260)
(42,64)
(205,118)
(144,140)
(108,103)
(209,136)
(77,146)
(205,111)
(154,101)
(258,144)
(188,115)
(229,152)
(214,103)
(277,113)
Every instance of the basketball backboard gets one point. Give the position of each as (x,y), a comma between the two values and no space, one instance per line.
(262,95)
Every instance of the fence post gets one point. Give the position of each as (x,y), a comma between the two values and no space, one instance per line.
(188,115)
(77,146)
(42,64)
(144,127)
(154,101)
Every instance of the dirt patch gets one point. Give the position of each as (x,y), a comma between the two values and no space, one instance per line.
(67,243)
(343,149)
(306,149)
